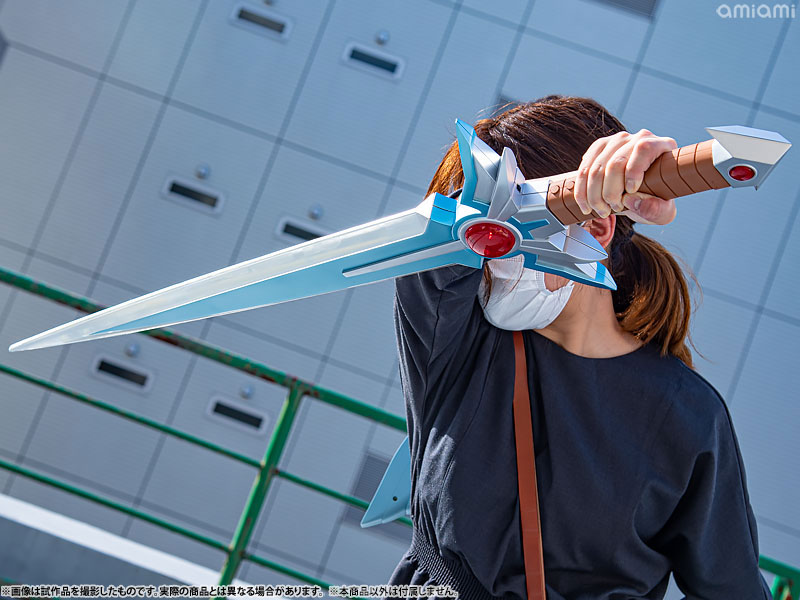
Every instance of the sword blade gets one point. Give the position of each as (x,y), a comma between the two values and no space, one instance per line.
(408,242)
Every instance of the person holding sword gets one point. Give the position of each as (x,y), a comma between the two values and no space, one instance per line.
(638,468)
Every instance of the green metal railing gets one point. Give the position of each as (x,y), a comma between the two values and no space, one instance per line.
(787,579)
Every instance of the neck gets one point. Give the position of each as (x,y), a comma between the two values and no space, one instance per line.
(588,326)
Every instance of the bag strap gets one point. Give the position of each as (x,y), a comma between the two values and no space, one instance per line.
(526,471)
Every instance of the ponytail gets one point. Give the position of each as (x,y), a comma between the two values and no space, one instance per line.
(652,299)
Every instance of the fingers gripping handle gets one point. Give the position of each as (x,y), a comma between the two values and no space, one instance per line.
(683,171)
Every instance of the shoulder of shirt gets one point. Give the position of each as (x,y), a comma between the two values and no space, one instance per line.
(695,404)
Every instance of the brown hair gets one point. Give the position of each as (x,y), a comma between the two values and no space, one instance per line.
(548,137)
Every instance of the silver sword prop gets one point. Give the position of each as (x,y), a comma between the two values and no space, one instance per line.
(498,214)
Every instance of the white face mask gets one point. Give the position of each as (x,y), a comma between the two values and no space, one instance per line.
(529,305)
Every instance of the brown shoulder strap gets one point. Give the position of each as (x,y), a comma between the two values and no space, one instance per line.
(526,471)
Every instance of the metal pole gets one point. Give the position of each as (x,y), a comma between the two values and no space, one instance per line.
(236,550)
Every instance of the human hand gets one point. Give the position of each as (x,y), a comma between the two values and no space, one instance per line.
(611,171)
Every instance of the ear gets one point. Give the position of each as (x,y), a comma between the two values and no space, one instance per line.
(602,229)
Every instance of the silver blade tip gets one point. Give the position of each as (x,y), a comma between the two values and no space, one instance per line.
(22,345)
(41,340)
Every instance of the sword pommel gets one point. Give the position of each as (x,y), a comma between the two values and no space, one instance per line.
(745,156)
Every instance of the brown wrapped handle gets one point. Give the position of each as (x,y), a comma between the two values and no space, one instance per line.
(683,171)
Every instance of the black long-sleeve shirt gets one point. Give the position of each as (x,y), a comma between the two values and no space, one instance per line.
(638,467)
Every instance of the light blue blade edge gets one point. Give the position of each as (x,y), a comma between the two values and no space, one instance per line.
(392,499)
(313,281)
(408,242)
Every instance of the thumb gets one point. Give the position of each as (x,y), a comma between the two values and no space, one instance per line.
(648,209)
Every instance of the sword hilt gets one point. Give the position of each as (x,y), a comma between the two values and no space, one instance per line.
(736,157)
(681,172)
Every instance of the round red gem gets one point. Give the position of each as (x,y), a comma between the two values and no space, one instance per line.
(489,239)
(742,172)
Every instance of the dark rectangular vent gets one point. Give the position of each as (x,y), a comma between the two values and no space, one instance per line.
(374,61)
(300,232)
(110,368)
(644,8)
(241,416)
(372,469)
(193,194)
(262,20)
(246,418)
